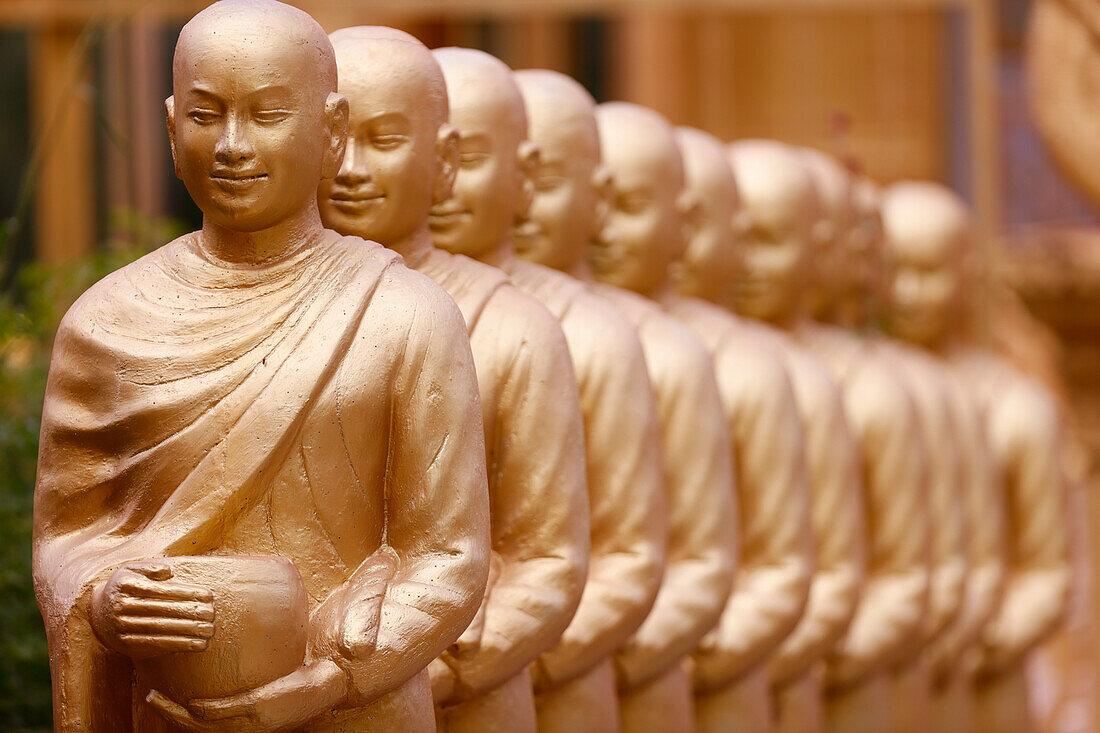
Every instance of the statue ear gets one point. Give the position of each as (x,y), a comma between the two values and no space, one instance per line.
(690,209)
(170,119)
(605,196)
(446,152)
(528,157)
(336,117)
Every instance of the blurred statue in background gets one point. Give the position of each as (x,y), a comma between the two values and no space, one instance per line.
(401,158)
(654,688)
(932,280)
(846,299)
(782,262)
(715,268)
(641,240)
(261,497)
(574,681)
(961,466)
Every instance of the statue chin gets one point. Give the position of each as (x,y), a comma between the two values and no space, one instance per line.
(261,615)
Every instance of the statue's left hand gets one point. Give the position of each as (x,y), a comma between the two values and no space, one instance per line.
(284,704)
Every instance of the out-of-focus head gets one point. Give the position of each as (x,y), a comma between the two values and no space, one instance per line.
(564,216)
(711,263)
(929,250)
(401,153)
(780,206)
(493,186)
(644,230)
(835,269)
(254,119)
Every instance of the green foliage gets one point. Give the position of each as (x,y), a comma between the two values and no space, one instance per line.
(29,315)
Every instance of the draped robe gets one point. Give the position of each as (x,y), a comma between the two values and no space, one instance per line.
(574,680)
(534,438)
(321,407)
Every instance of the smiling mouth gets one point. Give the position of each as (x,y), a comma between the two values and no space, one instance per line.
(444,219)
(347,201)
(235,182)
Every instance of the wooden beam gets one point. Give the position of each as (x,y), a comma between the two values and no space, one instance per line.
(22,12)
(64,206)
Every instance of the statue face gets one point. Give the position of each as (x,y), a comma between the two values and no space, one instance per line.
(712,261)
(491,185)
(249,128)
(563,217)
(385,185)
(778,207)
(924,276)
(644,230)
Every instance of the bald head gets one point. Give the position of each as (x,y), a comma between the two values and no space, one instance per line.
(779,206)
(480,89)
(706,167)
(560,112)
(373,59)
(927,213)
(772,181)
(644,234)
(927,233)
(254,120)
(493,186)
(563,217)
(230,30)
(635,140)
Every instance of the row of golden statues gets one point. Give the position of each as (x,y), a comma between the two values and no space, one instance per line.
(604,433)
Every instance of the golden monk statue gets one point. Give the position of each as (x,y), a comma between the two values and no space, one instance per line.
(402,157)
(261,497)
(574,681)
(979,504)
(640,241)
(846,297)
(933,275)
(654,688)
(779,197)
(715,268)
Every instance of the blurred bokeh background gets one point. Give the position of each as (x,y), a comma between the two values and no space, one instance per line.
(931,89)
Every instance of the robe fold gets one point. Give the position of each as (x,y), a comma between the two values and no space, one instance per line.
(316,407)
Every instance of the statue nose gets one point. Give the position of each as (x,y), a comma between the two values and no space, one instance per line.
(353,171)
(233,147)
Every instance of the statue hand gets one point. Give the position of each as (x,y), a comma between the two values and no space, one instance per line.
(141,613)
(284,704)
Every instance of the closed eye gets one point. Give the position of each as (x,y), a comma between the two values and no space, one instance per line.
(271,116)
(203,116)
(388,142)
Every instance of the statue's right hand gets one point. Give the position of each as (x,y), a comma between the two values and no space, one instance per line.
(141,612)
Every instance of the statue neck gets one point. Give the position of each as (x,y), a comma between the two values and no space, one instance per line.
(502,256)
(254,248)
(415,247)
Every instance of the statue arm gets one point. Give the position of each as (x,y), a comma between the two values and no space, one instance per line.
(1026,436)
(412,598)
(773,581)
(625,496)
(538,502)
(985,525)
(891,612)
(838,527)
(702,516)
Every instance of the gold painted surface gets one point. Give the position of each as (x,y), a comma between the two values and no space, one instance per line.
(621,429)
(402,157)
(715,268)
(654,692)
(932,276)
(640,241)
(263,388)
(784,236)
